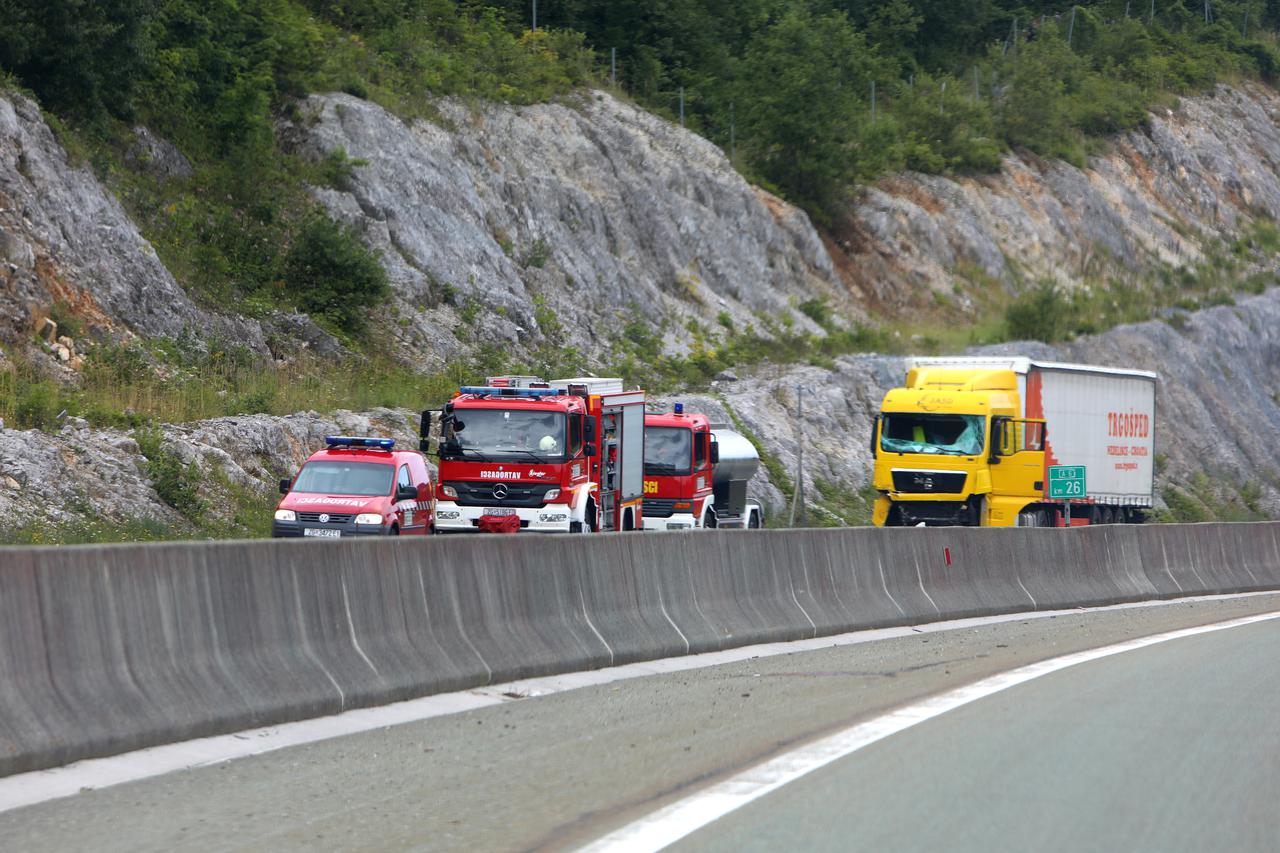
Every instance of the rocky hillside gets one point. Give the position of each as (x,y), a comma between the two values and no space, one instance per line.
(561,222)
(1218,422)
(1158,199)
(508,230)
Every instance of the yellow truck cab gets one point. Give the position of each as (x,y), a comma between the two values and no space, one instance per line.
(968,441)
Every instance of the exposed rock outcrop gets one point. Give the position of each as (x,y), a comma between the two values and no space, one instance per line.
(1156,198)
(80,473)
(563,221)
(63,237)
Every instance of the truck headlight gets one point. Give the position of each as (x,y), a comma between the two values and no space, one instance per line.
(551,495)
(449,492)
(286,515)
(368,518)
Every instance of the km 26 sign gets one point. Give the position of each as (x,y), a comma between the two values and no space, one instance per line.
(1066,481)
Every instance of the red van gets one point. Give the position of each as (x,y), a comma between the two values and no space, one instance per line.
(358,487)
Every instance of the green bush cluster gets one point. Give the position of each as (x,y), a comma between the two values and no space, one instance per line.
(175,482)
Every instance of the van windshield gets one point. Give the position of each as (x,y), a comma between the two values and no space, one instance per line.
(337,477)
(911,432)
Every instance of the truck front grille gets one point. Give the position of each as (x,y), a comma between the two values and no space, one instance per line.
(525,495)
(919,482)
(331,517)
(659,507)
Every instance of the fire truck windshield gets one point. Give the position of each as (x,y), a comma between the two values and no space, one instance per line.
(494,433)
(335,477)
(668,450)
(956,435)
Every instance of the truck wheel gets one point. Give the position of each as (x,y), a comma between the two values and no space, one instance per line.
(753,521)
(711,522)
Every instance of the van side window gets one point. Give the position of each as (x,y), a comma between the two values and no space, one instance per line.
(402,478)
(700,449)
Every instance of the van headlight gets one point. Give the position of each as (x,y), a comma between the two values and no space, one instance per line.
(368,518)
(286,515)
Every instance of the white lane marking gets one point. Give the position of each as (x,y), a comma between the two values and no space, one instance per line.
(40,786)
(680,819)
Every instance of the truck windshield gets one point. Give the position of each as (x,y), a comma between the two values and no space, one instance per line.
(492,433)
(667,450)
(957,435)
(335,477)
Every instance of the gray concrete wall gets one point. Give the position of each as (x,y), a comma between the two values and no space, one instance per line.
(113,648)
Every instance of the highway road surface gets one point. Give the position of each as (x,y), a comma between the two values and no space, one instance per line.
(1172,746)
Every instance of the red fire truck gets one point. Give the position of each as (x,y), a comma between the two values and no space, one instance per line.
(521,453)
(696,474)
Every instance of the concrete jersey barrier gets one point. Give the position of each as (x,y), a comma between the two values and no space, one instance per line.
(105,649)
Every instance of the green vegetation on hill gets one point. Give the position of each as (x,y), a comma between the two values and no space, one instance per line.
(788,83)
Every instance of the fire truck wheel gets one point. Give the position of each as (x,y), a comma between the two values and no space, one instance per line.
(711,521)
(753,521)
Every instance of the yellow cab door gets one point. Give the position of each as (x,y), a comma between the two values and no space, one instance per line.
(1017,468)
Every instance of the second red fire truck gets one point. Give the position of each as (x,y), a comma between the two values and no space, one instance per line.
(522,454)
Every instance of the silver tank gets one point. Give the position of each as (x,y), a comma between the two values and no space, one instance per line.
(738,463)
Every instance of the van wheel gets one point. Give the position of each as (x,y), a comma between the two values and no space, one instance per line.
(395,531)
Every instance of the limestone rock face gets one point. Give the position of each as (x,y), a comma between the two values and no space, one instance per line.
(562,222)
(64,237)
(1157,197)
(79,473)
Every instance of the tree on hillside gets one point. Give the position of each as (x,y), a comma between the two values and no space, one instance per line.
(81,57)
(803,80)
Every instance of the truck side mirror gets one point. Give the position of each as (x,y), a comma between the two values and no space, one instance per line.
(875,433)
(424,431)
(285,485)
(997,440)
(715,452)
(589,450)
(590,429)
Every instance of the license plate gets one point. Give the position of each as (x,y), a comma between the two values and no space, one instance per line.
(501,511)
(326,534)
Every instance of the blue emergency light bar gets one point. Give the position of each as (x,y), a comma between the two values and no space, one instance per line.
(679,408)
(489,391)
(349,441)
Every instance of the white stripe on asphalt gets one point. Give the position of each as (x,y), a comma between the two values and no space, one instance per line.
(26,789)
(678,820)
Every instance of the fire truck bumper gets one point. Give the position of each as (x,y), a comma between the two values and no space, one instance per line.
(675,521)
(452,518)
